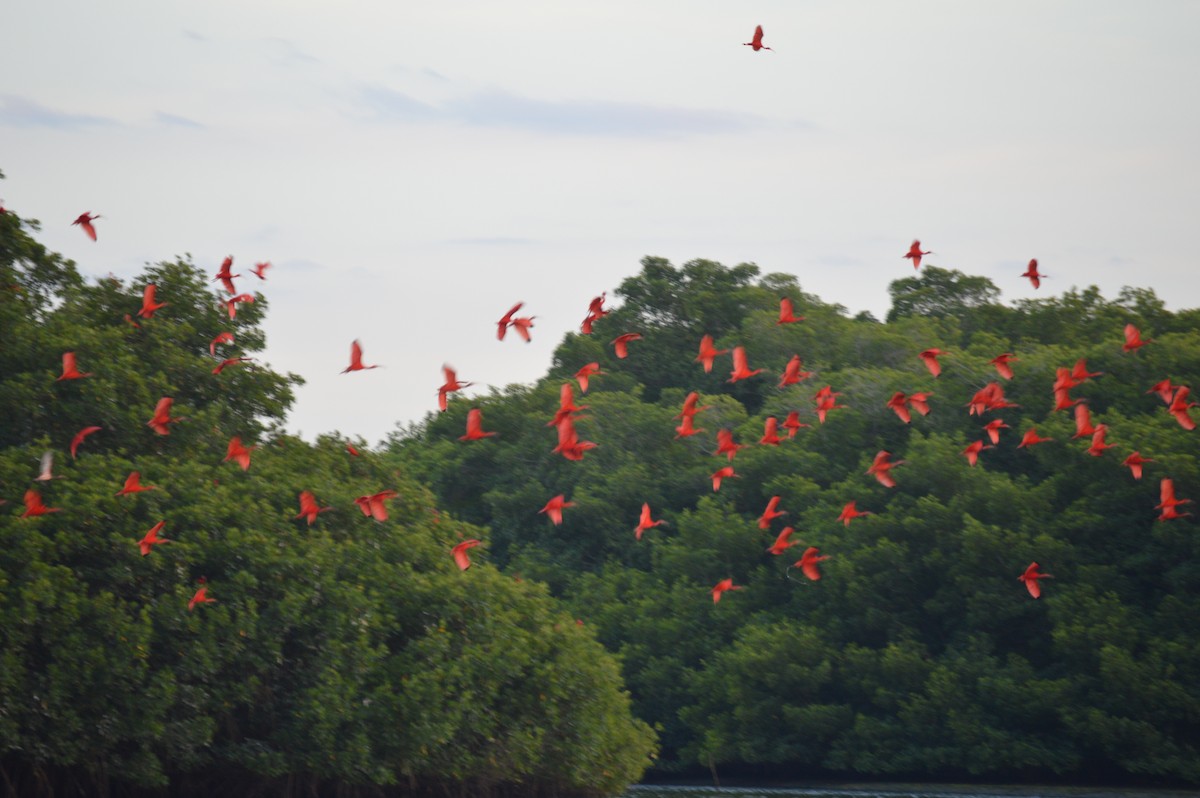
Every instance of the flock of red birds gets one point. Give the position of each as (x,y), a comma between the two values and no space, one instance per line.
(987,399)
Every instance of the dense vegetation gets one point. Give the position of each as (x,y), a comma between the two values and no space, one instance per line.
(919,652)
(339,655)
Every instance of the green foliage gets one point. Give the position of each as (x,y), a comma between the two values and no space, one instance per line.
(919,651)
(346,652)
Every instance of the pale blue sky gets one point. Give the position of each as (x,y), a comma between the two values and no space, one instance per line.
(412,169)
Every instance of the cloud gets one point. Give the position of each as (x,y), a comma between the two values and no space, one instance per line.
(392,106)
(285,52)
(177,121)
(20,112)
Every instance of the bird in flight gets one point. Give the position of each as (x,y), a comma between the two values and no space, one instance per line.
(149,306)
(783,542)
(1031,577)
(770,513)
(741,369)
(309,509)
(1133,339)
(554,508)
(201,596)
(356,363)
(914,254)
(787,314)
(461,559)
(808,563)
(506,321)
(930,358)
(133,484)
(645,522)
(79,436)
(756,42)
(85,223)
(721,587)
(720,474)
(621,342)
(162,417)
(152,539)
(1032,273)
(707,353)
(373,506)
(223,274)
(450,385)
(475,426)
(69,371)
(239,452)
(881,466)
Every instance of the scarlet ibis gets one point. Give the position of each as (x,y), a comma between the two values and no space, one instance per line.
(741,370)
(239,452)
(353,451)
(621,343)
(930,358)
(232,303)
(566,405)
(69,371)
(522,326)
(1164,389)
(1031,577)
(770,436)
(34,506)
(686,428)
(450,385)
(85,223)
(79,436)
(231,361)
(309,509)
(850,512)
(1135,462)
(356,363)
(47,467)
(972,451)
(645,522)
(554,508)
(201,597)
(756,43)
(595,312)
(223,274)
(792,373)
(914,254)
(1167,501)
(808,563)
(461,559)
(899,404)
(770,513)
(724,584)
(373,506)
(260,269)
(152,539)
(1001,362)
(1031,272)
(881,466)
(707,353)
(149,305)
(1083,422)
(506,320)
(475,426)
(1098,445)
(1133,339)
(720,474)
(1179,408)
(222,338)
(787,314)
(725,444)
(589,370)
(992,428)
(793,423)
(919,401)
(1079,371)
(133,484)
(1031,438)
(783,542)
(162,417)
(689,406)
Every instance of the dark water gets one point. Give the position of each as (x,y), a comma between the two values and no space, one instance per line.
(899,791)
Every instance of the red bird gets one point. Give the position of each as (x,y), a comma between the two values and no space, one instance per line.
(232,302)
(1133,339)
(1098,445)
(1031,577)
(770,435)
(589,370)
(1167,501)
(741,370)
(162,417)
(595,312)
(129,320)
(1001,363)
(930,358)
(756,43)
(787,313)
(152,539)
(686,428)
(993,429)
(566,405)
(1179,408)
(792,373)
(85,222)
(720,474)
(236,451)
(450,385)
(69,372)
(782,543)
(725,444)
(919,401)
(475,426)
(808,563)
(850,512)
(914,254)
(989,397)
(309,509)
(569,445)
(1164,389)
(133,484)
(707,353)
(881,466)
(225,277)
(825,404)
(201,597)
(644,522)
(689,406)
(356,363)
(972,451)
(621,342)
(1083,422)
(149,306)
(222,338)
(793,423)
(554,508)
(373,506)
(460,553)
(34,506)
(260,270)
(1032,273)
(79,436)
(506,321)
(770,514)
(724,584)
(353,452)
(224,364)
(899,403)
(522,325)
(1031,438)
(1079,371)
(1135,462)
(1063,400)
